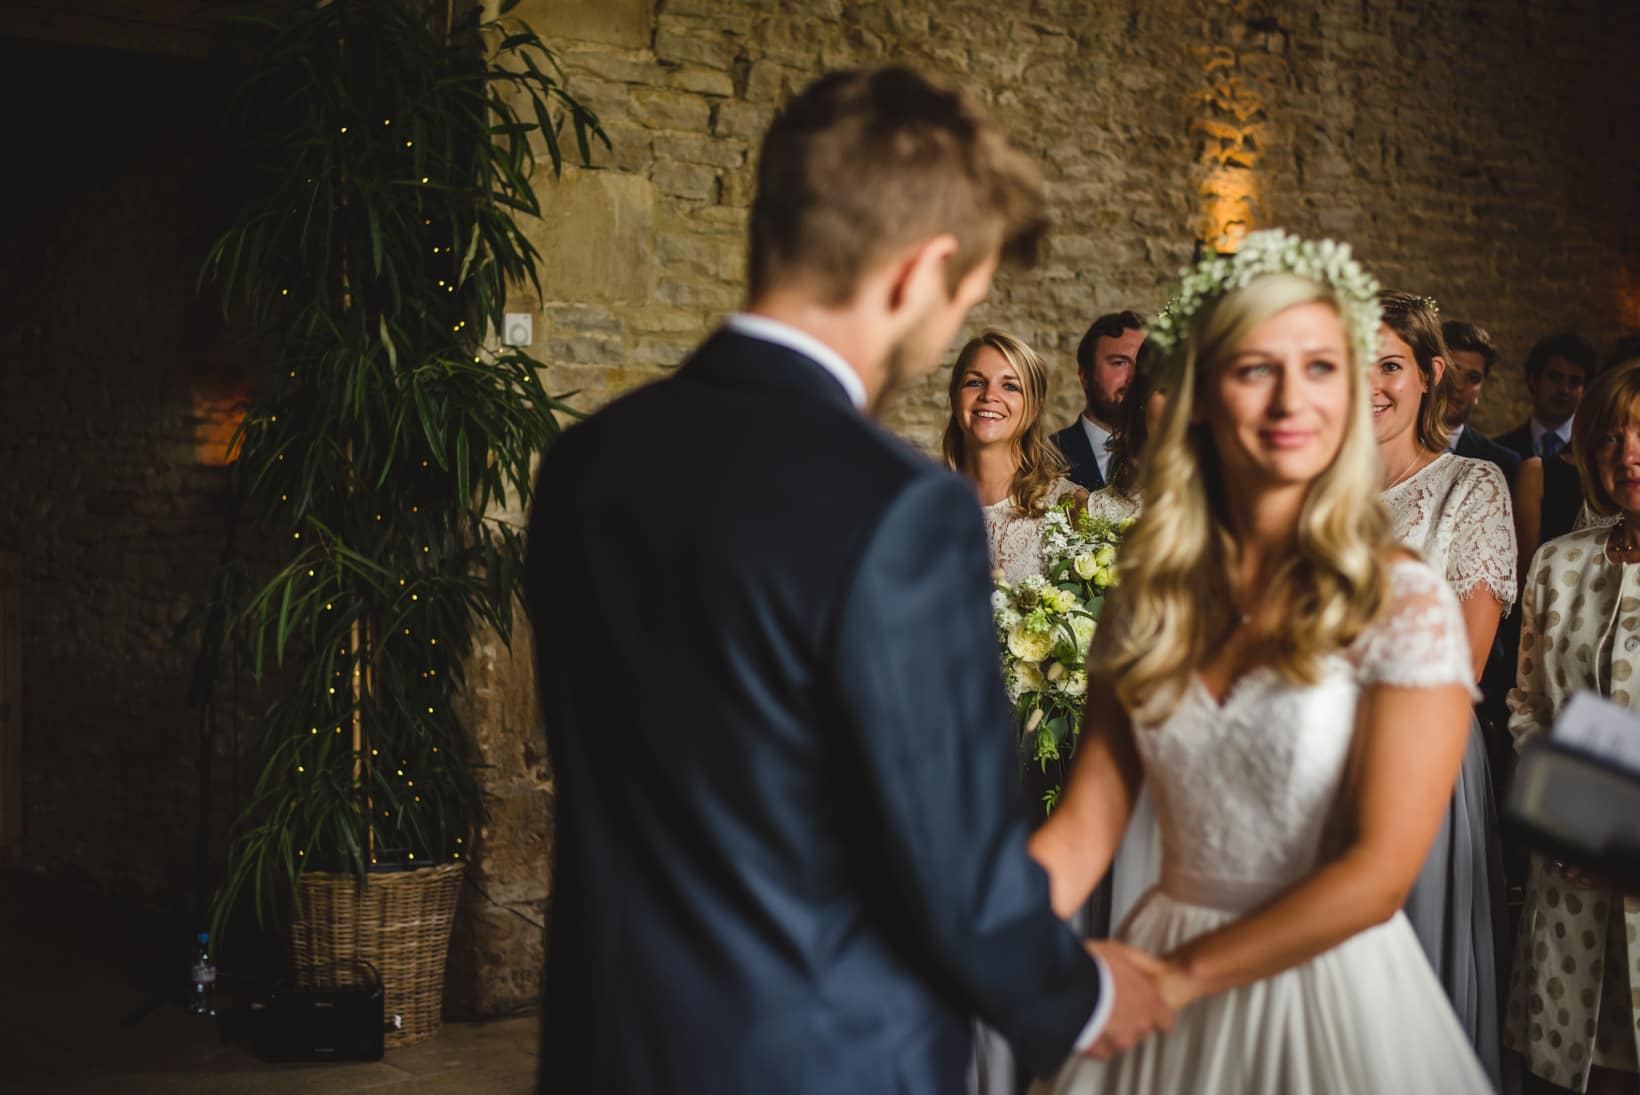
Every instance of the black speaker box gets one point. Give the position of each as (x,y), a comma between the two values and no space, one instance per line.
(328,1024)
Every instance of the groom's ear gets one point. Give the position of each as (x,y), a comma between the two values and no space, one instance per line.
(919,278)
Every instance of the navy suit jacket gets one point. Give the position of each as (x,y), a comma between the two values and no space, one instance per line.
(790,834)
(1073,445)
(1477,447)
(1518,440)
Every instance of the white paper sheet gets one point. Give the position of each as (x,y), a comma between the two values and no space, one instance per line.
(1598,726)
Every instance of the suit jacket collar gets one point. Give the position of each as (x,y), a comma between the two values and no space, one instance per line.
(740,361)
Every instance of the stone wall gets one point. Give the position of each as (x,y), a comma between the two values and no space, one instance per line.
(1471,151)
(114,381)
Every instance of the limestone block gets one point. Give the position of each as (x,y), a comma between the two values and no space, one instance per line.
(663,108)
(625,23)
(596,236)
(686,180)
(703,80)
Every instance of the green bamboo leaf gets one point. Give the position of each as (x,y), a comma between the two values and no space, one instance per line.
(463,487)
(387,342)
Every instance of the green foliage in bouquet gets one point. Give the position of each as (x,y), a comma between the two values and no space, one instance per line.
(391,146)
(1045,624)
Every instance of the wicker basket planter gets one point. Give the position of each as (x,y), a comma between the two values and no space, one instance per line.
(399,923)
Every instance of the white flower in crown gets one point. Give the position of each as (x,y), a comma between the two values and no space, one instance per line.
(1275,252)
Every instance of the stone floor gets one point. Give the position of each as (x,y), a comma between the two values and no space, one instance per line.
(76,1018)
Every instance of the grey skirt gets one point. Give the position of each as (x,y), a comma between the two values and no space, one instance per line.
(1456,905)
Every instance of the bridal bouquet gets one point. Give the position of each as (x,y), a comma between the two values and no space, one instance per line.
(1044,625)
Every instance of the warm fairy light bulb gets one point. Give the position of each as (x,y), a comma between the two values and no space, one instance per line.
(400,772)
(387,121)
(407,144)
(299,768)
(332,691)
(413,597)
(424,178)
(375,752)
(429,710)
(344,129)
(407,631)
(310,574)
(458,840)
(284,292)
(315,730)
(296,536)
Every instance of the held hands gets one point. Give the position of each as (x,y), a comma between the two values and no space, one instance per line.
(1141,1008)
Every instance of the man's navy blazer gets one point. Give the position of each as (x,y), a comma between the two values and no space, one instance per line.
(790,836)
(1073,445)
(1476,446)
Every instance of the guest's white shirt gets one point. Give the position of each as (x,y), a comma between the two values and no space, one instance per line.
(1563,431)
(765,329)
(1099,438)
(1452,441)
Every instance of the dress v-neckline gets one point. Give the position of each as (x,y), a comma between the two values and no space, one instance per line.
(1241,682)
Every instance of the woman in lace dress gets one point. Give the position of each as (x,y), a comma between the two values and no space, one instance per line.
(996,439)
(1295,690)
(1455,512)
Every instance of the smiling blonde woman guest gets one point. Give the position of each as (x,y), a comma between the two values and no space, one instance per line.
(996,439)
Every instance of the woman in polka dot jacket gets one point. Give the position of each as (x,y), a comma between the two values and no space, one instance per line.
(1574,996)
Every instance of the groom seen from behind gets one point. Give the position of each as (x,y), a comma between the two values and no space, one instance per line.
(790,836)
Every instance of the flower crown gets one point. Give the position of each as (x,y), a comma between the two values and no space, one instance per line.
(1273,251)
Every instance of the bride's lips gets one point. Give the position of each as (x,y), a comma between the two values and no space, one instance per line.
(1286,439)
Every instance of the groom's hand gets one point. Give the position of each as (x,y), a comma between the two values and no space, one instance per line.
(1138,1009)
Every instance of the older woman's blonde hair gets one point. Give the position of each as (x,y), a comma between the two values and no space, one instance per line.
(1038,464)
(1175,606)
(1610,403)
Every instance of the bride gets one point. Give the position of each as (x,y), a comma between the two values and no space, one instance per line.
(1293,687)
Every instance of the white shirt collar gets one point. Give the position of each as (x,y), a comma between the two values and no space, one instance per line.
(1099,438)
(1457,435)
(765,329)
(1564,430)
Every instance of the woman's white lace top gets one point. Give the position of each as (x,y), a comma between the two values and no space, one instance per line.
(1016,541)
(1112,504)
(1245,789)
(1456,513)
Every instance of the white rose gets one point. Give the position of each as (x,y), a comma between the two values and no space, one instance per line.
(1085,565)
(1105,556)
(1028,646)
(1029,677)
(1076,684)
(1084,628)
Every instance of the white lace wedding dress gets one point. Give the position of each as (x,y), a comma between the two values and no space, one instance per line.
(1247,796)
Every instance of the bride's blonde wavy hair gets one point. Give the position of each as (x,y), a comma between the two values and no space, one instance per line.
(1175,605)
(1038,464)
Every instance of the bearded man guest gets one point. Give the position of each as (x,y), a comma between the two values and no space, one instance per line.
(791,842)
(1104,368)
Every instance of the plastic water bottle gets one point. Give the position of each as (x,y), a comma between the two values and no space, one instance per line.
(202,999)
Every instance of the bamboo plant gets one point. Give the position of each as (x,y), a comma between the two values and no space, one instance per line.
(391,146)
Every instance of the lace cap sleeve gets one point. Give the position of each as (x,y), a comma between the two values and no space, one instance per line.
(1483,543)
(1418,641)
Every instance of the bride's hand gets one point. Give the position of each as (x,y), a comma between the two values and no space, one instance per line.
(1176,984)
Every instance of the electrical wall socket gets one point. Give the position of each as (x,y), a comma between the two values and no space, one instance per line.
(518,329)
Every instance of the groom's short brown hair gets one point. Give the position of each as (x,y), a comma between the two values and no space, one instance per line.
(862,163)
